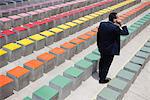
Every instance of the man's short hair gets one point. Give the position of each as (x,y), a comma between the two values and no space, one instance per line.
(112,16)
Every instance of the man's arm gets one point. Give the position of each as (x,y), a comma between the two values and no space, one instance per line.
(124,31)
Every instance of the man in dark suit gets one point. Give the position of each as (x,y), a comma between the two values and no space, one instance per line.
(108,42)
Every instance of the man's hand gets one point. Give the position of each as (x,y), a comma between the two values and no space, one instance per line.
(118,21)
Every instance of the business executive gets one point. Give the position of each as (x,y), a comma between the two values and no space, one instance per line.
(108,42)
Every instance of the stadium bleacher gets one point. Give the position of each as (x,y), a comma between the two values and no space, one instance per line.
(38,36)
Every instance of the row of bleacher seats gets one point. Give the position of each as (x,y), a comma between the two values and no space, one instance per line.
(8,36)
(32,16)
(49,5)
(119,85)
(9,4)
(31,26)
(36,66)
(30,44)
(60,86)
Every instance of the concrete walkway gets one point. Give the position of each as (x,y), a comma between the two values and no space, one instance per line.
(140,90)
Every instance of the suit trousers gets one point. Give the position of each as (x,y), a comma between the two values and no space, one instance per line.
(104,65)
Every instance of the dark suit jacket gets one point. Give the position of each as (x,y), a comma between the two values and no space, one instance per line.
(108,38)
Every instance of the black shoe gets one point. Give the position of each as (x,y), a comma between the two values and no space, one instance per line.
(104,81)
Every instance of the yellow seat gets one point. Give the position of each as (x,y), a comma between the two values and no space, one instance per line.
(108,10)
(2,52)
(104,11)
(112,8)
(12,46)
(94,15)
(119,5)
(131,0)
(89,17)
(71,24)
(84,19)
(56,30)
(47,33)
(25,42)
(78,21)
(63,26)
(37,37)
(99,13)
(128,1)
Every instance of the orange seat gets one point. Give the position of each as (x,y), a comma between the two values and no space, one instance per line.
(121,18)
(4,80)
(18,71)
(128,14)
(124,15)
(57,50)
(91,33)
(77,41)
(143,5)
(34,64)
(46,56)
(68,45)
(146,3)
(84,37)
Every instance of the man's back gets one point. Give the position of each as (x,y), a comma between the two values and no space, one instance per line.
(108,37)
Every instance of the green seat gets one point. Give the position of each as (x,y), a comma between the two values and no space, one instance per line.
(118,85)
(86,66)
(131,30)
(142,54)
(45,93)
(123,38)
(147,44)
(148,15)
(76,75)
(27,98)
(62,84)
(145,18)
(133,26)
(141,21)
(126,75)
(92,57)
(133,67)
(96,51)
(74,72)
(138,60)
(83,64)
(108,94)
(145,49)
(126,38)
(60,81)
(136,26)
(138,23)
